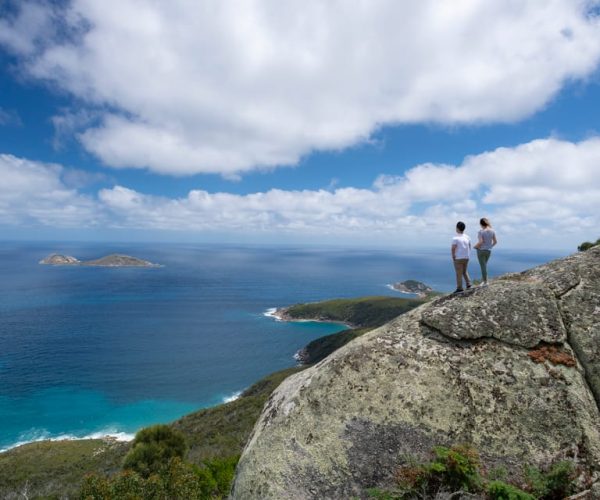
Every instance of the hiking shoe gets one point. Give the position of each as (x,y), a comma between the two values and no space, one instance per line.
(468,286)
(458,290)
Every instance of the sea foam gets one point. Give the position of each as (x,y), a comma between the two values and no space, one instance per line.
(232,397)
(37,435)
(271,313)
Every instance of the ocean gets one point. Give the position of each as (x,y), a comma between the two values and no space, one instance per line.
(96,351)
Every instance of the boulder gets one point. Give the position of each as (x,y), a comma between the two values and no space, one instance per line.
(511,369)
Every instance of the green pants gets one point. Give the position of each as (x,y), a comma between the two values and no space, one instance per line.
(483,256)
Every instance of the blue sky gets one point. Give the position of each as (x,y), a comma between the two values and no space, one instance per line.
(341,123)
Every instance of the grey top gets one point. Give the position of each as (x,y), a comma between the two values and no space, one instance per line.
(487,235)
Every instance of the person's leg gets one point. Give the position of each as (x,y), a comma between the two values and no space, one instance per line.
(483,256)
(488,253)
(466,273)
(483,264)
(458,268)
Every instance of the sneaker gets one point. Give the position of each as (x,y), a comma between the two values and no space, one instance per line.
(458,290)
(468,286)
(484,283)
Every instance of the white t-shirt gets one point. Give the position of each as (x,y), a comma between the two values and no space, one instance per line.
(463,246)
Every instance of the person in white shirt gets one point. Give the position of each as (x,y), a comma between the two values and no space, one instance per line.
(461,251)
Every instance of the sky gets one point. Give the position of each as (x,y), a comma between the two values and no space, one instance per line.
(347,122)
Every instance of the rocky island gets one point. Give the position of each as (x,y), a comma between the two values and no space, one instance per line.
(113,260)
(412,286)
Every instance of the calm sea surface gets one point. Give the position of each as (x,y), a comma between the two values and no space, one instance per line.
(93,351)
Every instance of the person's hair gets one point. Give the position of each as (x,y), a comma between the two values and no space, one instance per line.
(485,222)
(460,226)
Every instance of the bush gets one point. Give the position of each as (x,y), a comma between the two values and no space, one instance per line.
(458,470)
(586,245)
(175,480)
(456,467)
(222,470)
(153,447)
(557,483)
(499,490)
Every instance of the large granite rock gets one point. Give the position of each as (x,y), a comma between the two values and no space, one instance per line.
(462,369)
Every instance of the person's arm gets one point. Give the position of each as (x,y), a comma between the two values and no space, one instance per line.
(454,251)
(479,241)
(494,240)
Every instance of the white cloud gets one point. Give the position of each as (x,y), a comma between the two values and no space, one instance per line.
(34,193)
(544,185)
(186,87)
(544,191)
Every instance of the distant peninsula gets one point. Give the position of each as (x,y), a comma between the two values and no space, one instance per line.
(412,286)
(113,260)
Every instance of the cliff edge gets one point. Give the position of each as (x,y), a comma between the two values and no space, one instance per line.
(512,368)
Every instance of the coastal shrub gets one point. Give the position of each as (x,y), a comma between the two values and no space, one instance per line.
(557,483)
(456,467)
(153,447)
(175,480)
(586,245)
(499,490)
(458,470)
(222,471)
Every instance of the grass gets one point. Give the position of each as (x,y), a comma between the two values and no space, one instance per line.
(51,468)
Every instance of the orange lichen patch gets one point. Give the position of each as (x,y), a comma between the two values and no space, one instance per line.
(410,475)
(553,354)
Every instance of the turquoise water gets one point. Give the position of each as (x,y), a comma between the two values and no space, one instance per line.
(93,351)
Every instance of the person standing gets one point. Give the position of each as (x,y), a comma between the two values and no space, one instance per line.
(486,240)
(461,251)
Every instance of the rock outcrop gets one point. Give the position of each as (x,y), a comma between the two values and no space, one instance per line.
(412,286)
(60,260)
(512,368)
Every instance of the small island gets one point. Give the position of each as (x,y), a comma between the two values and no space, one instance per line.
(113,260)
(414,287)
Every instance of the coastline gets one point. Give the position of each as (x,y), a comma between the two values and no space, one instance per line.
(418,295)
(280,314)
(107,435)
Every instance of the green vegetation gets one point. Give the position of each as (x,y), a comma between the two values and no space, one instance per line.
(51,468)
(174,479)
(362,312)
(556,483)
(153,447)
(366,313)
(320,348)
(222,431)
(586,245)
(458,469)
(499,490)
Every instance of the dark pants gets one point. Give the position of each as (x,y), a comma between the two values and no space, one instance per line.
(460,266)
(483,256)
